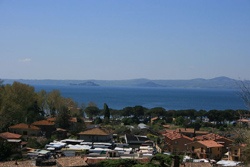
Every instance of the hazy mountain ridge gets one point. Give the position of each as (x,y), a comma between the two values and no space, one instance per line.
(218,82)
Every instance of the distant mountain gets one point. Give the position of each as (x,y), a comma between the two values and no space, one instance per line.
(218,82)
(149,84)
(88,83)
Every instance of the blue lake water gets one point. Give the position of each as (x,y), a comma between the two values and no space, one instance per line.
(168,98)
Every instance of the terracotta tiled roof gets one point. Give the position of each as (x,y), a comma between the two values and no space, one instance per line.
(243,120)
(71,161)
(44,123)
(186,130)
(24,126)
(175,135)
(210,143)
(211,136)
(8,135)
(27,163)
(53,119)
(153,119)
(94,131)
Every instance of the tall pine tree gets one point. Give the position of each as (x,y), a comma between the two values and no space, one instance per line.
(106,113)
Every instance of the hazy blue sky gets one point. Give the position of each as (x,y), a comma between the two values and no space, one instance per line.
(124,39)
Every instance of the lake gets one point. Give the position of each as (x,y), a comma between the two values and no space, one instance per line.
(168,98)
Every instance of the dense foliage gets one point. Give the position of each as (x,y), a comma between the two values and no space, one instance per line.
(19,103)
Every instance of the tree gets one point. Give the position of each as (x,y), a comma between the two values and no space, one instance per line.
(245,93)
(17,99)
(1,82)
(92,111)
(163,160)
(157,111)
(5,150)
(78,126)
(127,111)
(81,111)
(212,115)
(42,101)
(54,102)
(179,120)
(244,133)
(34,113)
(115,114)
(106,113)
(138,111)
(201,114)
(63,118)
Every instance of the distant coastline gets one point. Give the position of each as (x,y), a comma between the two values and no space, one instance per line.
(218,82)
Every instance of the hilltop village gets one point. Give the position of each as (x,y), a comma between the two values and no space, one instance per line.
(45,129)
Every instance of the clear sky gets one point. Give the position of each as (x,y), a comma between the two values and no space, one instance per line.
(124,39)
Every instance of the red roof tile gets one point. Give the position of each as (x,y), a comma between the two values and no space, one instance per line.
(8,135)
(210,143)
(94,131)
(24,126)
(44,123)
(211,136)
(173,135)
(73,119)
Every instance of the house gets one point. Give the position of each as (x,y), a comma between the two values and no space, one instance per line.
(243,122)
(175,142)
(72,122)
(13,139)
(135,141)
(46,126)
(96,135)
(25,130)
(235,152)
(217,138)
(205,149)
(89,123)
